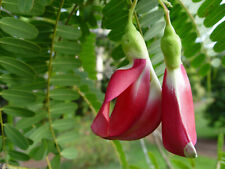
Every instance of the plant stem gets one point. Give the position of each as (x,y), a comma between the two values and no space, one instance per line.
(71,14)
(145,151)
(49,77)
(136,17)
(48,162)
(133,5)
(166,11)
(120,153)
(85,99)
(157,140)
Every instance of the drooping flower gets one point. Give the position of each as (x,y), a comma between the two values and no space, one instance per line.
(178,121)
(137,91)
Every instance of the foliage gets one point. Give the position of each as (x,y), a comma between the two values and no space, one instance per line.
(41,78)
(48,68)
(216,110)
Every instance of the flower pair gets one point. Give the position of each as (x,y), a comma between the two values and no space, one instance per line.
(141,104)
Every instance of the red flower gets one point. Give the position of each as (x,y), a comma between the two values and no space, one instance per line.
(178,121)
(137,111)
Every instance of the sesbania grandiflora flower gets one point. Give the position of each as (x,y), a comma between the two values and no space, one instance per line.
(178,121)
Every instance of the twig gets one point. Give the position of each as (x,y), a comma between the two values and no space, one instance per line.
(157,140)
(49,77)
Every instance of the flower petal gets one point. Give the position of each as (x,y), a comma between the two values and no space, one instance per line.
(130,105)
(120,81)
(178,122)
(149,119)
(123,78)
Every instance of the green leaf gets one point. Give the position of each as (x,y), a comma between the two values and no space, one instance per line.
(63,108)
(55,163)
(25,5)
(62,64)
(153,160)
(16,155)
(218,33)
(219,46)
(12,80)
(40,151)
(18,97)
(37,134)
(155,30)
(115,13)
(65,80)
(68,32)
(204,69)
(223,61)
(16,137)
(63,94)
(145,6)
(18,28)
(67,137)
(18,111)
(121,154)
(198,60)
(67,47)
(17,67)
(19,46)
(151,18)
(118,53)
(69,153)
(215,15)
(180,164)
(13,7)
(133,167)
(63,124)
(87,56)
(37,83)
(28,122)
(23,83)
